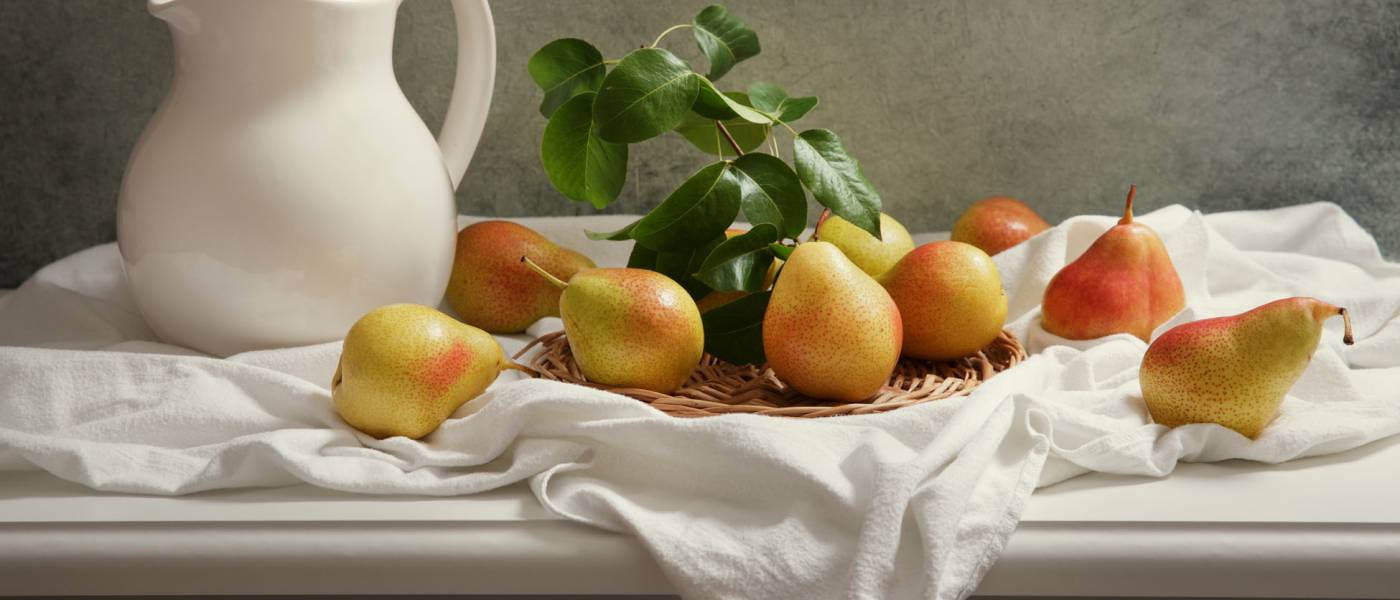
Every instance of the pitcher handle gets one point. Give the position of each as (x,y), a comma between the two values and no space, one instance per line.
(471,90)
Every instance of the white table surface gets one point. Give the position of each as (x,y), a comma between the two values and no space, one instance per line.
(1320,527)
(1325,527)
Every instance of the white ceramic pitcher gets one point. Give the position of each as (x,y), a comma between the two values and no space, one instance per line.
(285,186)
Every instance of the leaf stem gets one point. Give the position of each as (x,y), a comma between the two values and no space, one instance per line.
(612,61)
(733,144)
(664,33)
(786,126)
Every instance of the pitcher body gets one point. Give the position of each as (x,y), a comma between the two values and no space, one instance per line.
(285,186)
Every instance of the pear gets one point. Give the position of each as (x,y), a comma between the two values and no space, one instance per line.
(1235,370)
(830,330)
(716,299)
(489,287)
(629,327)
(871,255)
(405,368)
(1124,283)
(950,299)
(997,223)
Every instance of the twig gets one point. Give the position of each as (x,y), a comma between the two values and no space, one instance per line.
(733,144)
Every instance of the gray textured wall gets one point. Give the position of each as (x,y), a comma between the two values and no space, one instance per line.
(1218,105)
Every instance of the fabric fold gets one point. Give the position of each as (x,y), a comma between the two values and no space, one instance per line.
(914,503)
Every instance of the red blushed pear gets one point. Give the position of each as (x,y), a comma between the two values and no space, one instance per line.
(1235,370)
(629,327)
(1124,283)
(492,290)
(830,330)
(405,368)
(997,223)
(950,298)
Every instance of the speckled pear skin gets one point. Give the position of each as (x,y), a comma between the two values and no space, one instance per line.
(632,328)
(830,330)
(490,288)
(716,299)
(405,368)
(1124,283)
(871,255)
(1235,370)
(997,223)
(950,299)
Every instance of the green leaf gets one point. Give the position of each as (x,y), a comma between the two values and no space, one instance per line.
(681,265)
(781,251)
(563,68)
(771,193)
(740,263)
(734,331)
(582,166)
(835,179)
(698,211)
(724,39)
(641,257)
(701,132)
(795,108)
(767,97)
(772,100)
(645,95)
(615,236)
(678,265)
(722,106)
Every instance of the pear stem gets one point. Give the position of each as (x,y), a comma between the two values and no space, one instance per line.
(510,365)
(543,273)
(1128,209)
(826,213)
(1346,326)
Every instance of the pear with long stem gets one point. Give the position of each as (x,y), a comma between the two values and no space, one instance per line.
(490,289)
(629,327)
(1236,370)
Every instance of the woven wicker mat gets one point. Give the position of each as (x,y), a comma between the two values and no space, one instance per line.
(717,387)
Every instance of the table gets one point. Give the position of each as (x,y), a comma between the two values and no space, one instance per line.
(1326,527)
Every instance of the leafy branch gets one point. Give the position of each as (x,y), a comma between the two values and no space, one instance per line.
(598,107)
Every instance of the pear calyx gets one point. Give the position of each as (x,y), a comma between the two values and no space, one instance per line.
(561,284)
(1128,208)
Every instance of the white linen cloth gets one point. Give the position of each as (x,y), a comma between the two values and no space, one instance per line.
(913,503)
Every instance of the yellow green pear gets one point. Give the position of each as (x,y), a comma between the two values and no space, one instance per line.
(871,255)
(1234,370)
(405,368)
(491,289)
(830,330)
(950,298)
(630,327)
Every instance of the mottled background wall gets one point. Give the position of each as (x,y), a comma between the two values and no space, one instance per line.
(1217,105)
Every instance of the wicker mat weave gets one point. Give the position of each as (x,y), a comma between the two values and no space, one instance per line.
(717,387)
